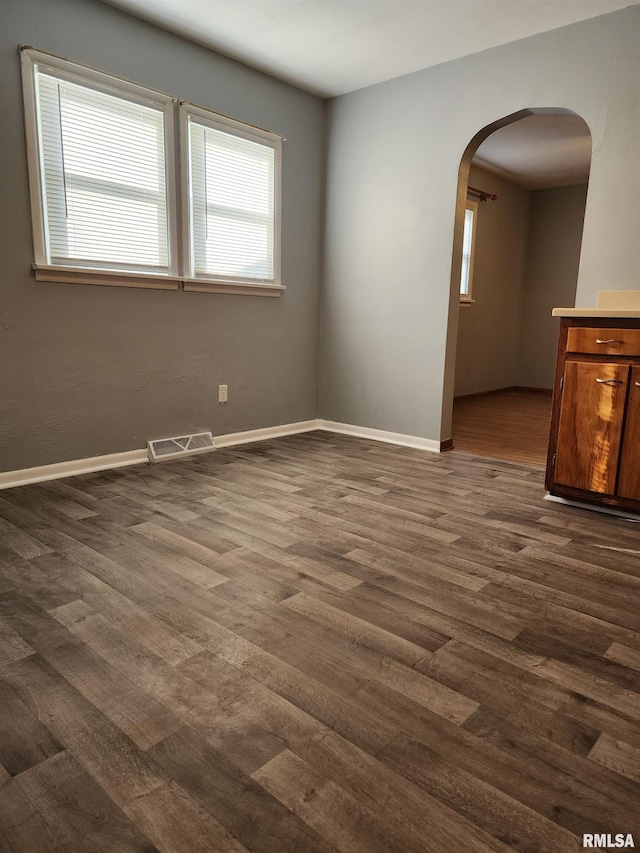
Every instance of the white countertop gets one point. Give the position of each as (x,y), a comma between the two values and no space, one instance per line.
(611,303)
(595,312)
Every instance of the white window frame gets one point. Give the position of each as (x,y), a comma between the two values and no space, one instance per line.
(222,283)
(180,264)
(90,78)
(467,298)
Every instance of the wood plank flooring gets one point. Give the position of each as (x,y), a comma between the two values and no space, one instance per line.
(317,643)
(510,425)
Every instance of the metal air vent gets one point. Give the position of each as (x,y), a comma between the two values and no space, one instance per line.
(184,445)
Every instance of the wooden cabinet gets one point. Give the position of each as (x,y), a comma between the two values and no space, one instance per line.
(629,483)
(590,429)
(594,446)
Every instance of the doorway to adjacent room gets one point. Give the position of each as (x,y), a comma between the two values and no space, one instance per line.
(524,192)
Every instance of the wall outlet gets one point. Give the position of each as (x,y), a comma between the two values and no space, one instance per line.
(223,391)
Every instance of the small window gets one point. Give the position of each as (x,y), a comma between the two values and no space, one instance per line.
(232,200)
(468,247)
(101,170)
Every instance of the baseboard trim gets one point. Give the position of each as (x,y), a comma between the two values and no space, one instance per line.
(73,467)
(264,434)
(42,473)
(621,513)
(400,438)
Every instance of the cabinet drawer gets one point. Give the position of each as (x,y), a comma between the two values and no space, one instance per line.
(604,341)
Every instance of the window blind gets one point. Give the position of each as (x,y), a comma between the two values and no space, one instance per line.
(104,178)
(232,201)
(467,244)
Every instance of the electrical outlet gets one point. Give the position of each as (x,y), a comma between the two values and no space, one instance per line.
(223,391)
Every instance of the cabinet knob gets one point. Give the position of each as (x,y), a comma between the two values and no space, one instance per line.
(610,341)
(612,382)
(637,383)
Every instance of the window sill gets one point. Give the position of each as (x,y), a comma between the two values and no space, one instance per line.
(467,301)
(197,285)
(73,275)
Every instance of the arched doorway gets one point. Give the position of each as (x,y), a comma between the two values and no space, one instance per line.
(515,257)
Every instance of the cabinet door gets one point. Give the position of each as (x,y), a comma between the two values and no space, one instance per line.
(590,430)
(629,483)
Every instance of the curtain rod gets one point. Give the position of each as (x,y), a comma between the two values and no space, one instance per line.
(481,194)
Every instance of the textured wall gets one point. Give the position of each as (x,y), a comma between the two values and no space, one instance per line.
(92,370)
(388,348)
(488,329)
(550,279)
(526,264)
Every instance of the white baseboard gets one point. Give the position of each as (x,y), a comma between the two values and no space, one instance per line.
(42,473)
(621,513)
(381,435)
(233,438)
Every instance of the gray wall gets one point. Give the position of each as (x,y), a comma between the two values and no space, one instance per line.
(488,328)
(87,370)
(526,263)
(550,279)
(388,350)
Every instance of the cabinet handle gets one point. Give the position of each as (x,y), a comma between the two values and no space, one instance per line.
(611,341)
(612,382)
(637,383)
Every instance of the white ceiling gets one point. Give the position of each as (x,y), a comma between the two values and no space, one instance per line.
(539,151)
(330,47)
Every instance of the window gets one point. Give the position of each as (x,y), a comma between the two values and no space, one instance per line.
(468,247)
(104,187)
(101,168)
(232,201)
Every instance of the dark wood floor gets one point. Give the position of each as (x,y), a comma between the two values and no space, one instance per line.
(311,644)
(510,424)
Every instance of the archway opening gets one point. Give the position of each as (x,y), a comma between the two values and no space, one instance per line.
(522,191)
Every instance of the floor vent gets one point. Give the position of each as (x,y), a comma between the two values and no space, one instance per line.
(184,445)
